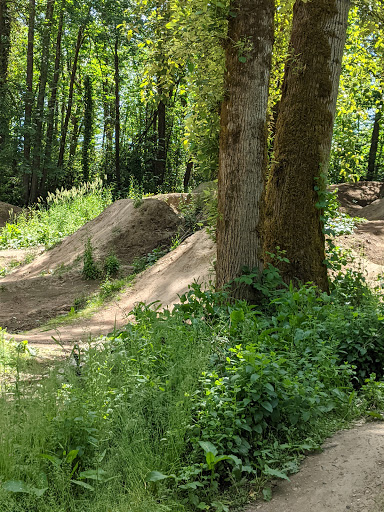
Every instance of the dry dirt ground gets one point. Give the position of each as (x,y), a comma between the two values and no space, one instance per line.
(348,474)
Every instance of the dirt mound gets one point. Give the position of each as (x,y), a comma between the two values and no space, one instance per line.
(7,212)
(165,281)
(129,232)
(49,285)
(355,196)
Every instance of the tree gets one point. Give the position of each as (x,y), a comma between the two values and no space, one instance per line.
(294,198)
(243,140)
(29,101)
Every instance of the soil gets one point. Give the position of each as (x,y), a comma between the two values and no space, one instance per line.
(347,475)
(7,212)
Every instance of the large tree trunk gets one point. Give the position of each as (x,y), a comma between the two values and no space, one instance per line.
(5,32)
(117,114)
(64,131)
(46,44)
(371,174)
(52,103)
(29,102)
(243,142)
(303,140)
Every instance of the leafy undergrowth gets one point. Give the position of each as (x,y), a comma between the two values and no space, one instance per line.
(195,408)
(62,214)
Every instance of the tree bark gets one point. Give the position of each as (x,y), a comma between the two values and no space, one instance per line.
(303,140)
(64,132)
(187,175)
(29,102)
(52,103)
(46,44)
(243,142)
(161,153)
(371,174)
(117,114)
(5,32)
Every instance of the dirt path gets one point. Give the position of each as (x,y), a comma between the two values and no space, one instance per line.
(347,476)
(191,261)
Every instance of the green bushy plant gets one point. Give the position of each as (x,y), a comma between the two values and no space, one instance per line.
(111,265)
(61,214)
(90,268)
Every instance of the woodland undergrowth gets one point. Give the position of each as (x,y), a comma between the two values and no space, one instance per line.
(194,409)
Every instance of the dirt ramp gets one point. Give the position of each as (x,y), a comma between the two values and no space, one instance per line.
(355,196)
(50,285)
(7,212)
(127,231)
(165,281)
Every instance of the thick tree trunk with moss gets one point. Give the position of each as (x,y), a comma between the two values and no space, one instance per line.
(303,140)
(243,141)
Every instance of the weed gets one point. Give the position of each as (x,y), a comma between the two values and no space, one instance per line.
(90,268)
(62,213)
(111,265)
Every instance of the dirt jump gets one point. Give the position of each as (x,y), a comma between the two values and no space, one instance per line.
(347,475)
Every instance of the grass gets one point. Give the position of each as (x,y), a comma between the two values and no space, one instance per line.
(60,215)
(191,410)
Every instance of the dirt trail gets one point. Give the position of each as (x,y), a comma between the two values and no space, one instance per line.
(191,261)
(347,476)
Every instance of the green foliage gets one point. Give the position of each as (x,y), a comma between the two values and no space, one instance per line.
(90,268)
(111,265)
(140,264)
(62,214)
(179,405)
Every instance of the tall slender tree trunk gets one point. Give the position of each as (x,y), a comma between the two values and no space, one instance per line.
(243,142)
(64,131)
(46,44)
(5,45)
(29,102)
(52,103)
(303,140)
(371,174)
(187,175)
(161,153)
(117,114)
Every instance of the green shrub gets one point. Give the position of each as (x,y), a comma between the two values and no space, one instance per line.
(90,267)
(111,265)
(60,215)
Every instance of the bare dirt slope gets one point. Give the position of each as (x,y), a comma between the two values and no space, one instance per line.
(165,281)
(49,285)
(347,476)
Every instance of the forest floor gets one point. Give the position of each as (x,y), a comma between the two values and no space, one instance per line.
(347,475)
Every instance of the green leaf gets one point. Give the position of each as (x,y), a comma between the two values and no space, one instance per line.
(55,460)
(17,486)
(155,476)
(267,494)
(83,484)
(242,59)
(267,406)
(94,474)
(71,456)
(208,447)
(275,472)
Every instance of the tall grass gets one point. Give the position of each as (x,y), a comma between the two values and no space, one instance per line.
(170,412)
(61,214)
